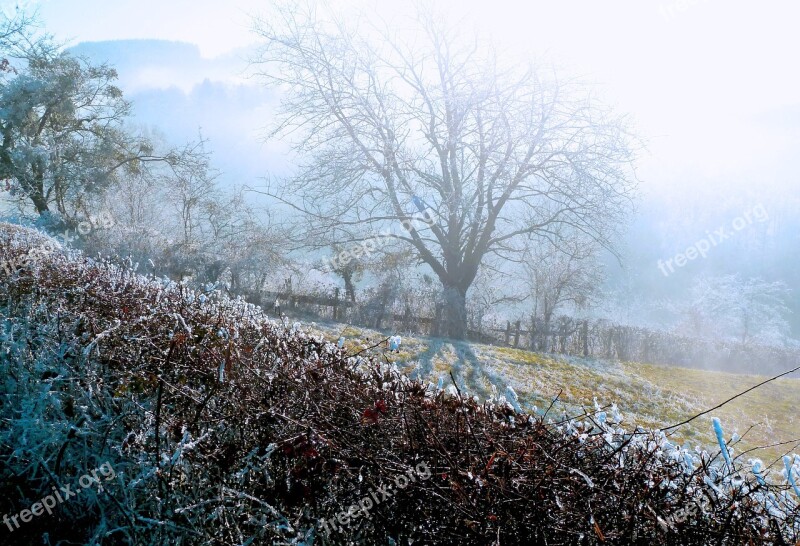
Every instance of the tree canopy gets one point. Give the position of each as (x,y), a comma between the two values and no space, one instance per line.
(62,123)
(388,127)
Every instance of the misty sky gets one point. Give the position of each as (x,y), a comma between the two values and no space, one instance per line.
(711,85)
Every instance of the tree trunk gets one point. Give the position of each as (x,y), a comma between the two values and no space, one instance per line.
(349,286)
(40,203)
(546,334)
(36,191)
(455,311)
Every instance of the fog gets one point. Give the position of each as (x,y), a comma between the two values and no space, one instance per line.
(707,86)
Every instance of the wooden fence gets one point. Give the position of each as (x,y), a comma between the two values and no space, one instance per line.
(563,335)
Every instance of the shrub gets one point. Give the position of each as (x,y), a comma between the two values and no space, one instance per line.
(223,427)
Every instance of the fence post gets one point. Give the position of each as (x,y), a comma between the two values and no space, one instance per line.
(508,332)
(516,336)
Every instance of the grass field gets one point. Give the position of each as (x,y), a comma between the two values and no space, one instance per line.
(648,395)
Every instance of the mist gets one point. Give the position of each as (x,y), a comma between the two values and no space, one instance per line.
(578,218)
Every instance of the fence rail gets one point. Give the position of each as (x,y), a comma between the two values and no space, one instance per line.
(564,335)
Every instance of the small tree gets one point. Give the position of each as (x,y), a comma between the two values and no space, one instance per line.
(63,138)
(349,267)
(558,275)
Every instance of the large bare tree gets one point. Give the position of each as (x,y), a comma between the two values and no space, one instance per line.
(388,127)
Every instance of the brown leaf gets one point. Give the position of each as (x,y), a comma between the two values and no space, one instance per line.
(370,416)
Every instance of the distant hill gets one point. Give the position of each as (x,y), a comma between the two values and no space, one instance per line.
(180,93)
(138,61)
(130,53)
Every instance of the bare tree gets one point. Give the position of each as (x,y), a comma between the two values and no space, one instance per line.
(749,310)
(559,275)
(243,247)
(388,129)
(350,269)
(190,183)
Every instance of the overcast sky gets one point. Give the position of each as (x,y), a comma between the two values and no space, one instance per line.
(712,86)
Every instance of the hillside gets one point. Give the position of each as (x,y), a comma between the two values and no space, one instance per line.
(210,423)
(648,395)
